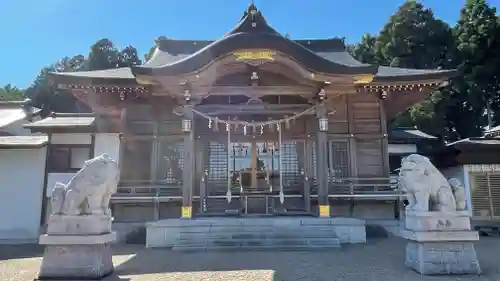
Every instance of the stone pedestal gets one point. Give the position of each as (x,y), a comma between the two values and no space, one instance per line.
(77,247)
(440,243)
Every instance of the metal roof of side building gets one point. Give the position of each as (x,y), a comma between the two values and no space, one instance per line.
(13,111)
(22,142)
(66,122)
(409,135)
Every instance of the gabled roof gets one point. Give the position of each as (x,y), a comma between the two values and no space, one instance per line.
(174,57)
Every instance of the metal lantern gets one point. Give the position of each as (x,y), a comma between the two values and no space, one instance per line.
(186,125)
(323,124)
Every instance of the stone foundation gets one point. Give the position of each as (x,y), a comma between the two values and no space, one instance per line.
(76,256)
(442,257)
(440,243)
(76,262)
(167,233)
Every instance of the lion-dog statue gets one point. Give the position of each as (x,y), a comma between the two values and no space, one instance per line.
(427,189)
(89,191)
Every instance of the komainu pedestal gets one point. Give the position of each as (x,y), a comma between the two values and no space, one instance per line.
(79,236)
(440,243)
(437,222)
(76,257)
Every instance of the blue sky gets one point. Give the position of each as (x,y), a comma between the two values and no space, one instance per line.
(35,33)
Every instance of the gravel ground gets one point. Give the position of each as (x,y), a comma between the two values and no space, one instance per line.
(377,260)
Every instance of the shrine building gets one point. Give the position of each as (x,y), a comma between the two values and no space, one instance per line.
(253,123)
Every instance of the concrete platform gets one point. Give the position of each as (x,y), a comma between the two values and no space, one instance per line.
(255,233)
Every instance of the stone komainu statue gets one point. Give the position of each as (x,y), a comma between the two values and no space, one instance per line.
(89,191)
(427,189)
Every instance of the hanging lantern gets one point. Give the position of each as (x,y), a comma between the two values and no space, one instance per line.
(186,125)
(323,124)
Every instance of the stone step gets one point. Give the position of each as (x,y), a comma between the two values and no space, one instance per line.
(289,241)
(257,235)
(298,245)
(257,228)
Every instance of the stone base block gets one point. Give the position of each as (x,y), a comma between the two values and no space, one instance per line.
(440,236)
(76,262)
(47,239)
(79,225)
(433,258)
(437,221)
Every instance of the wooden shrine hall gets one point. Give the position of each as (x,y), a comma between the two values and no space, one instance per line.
(251,123)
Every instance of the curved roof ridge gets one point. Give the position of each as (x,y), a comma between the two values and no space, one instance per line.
(247,40)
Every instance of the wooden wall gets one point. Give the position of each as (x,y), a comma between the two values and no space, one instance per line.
(359,119)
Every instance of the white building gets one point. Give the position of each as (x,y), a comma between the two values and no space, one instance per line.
(22,176)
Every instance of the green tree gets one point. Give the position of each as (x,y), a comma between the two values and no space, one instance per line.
(364,51)
(414,38)
(103,55)
(478,57)
(11,93)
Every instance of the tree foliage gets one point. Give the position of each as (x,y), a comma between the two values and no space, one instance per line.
(414,38)
(103,55)
(11,93)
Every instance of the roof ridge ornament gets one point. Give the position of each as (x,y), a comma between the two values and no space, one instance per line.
(253,21)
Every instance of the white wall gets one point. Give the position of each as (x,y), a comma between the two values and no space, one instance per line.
(70,139)
(21,187)
(57,177)
(402,148)
(108,143)
(461,173)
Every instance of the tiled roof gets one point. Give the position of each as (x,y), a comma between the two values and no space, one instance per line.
(173,57)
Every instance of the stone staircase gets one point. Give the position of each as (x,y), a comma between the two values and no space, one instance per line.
(258,238)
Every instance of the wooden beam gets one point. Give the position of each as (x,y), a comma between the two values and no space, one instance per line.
(352,141)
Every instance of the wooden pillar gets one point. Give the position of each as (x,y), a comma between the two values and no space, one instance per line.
(308,174)
(322,164)
(384,139)
(254,165)
(189,165)
(351,119)
(45,198)
(352,139)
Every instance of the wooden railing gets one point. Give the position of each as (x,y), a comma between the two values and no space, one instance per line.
(337,188)
(364,187)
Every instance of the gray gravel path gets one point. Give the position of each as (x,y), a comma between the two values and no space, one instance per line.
(377,260)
